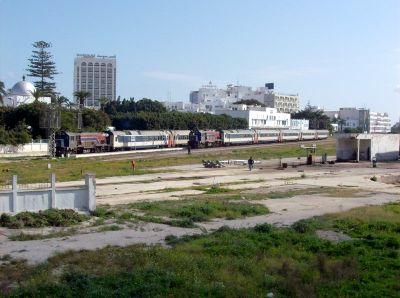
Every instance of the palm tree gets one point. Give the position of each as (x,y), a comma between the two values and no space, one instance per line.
(81,97)
(61,100)
(103,101)
(341,122)
(36,94)
(2,92)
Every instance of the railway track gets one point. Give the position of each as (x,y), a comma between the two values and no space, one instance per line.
(144,154)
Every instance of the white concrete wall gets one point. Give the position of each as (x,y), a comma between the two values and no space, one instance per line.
(385,146)
(30,149)
(78,198)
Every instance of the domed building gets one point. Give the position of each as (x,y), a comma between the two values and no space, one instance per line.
(21,93)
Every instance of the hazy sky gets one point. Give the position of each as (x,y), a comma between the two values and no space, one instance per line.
(333,53)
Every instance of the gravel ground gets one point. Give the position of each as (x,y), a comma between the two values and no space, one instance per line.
(117,190)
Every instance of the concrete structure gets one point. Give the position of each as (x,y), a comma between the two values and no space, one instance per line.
(16,200)
(258,117)
(97,75)
(358,147)
(21,93)
(35,148)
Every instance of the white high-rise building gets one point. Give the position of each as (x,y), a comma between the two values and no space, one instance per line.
(97,75)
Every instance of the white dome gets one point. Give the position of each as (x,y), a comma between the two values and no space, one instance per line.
(23,88)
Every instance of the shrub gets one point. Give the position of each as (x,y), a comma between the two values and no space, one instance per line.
(305,226)
(50,217)
(103,213)
(263,228)
(374,178)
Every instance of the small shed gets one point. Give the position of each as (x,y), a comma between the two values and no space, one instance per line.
(359,147)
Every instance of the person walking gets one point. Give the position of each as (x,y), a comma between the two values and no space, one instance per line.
(189,148)
(250,162)
(133,164)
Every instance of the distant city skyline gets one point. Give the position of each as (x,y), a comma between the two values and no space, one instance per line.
(332,53)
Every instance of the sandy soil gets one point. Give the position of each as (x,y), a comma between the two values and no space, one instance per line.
(121,190)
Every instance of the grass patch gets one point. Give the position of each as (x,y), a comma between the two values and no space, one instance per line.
(46,218)
(196,210)
(35,170)
(326,191)
(110,228)
(289,262)
(27,237)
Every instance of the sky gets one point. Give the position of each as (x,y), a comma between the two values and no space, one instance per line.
(333,53)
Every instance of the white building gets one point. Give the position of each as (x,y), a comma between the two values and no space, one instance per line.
(302,124)
(97,75)
(288,103)
(215,98)
(379,122)
(362,119)
(258,117)
(22,93)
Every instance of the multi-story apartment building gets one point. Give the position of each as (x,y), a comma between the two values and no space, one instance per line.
(361,119)
(97,75)
(379,122)
(258,117)
(211,97)
(285,103)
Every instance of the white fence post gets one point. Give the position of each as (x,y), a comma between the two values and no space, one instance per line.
(53,190)
(90,182)
(14,194)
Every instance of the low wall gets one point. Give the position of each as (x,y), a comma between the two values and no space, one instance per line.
(38,148)
(17,200)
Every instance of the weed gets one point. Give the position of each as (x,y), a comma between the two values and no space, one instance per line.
(110,228)
(26,237)
(230,263)
(50,217)
(103,212)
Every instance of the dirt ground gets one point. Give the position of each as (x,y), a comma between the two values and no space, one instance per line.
(182,180)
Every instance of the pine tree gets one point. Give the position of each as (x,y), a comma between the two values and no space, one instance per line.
(43,67)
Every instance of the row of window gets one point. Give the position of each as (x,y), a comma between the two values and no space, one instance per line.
(124,139)
(238,136)
(83,64)
(272,134)
(182,137)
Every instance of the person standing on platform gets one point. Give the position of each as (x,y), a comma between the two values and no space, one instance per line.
(250,162)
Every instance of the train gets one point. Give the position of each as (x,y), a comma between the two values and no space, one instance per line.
(112,140)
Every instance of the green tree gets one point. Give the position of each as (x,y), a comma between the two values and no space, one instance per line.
(81,97)
(4,136)
(42,67)
(36,94)
(396,128)
(20,135)
(60,100)
(103,102)
(2,92)
(341,123)
(250,102)
(316,117)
